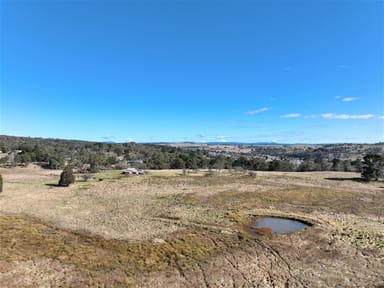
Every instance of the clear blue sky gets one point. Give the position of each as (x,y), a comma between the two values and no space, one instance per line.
(193,70)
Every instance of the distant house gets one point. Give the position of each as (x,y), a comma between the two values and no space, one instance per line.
(296,162)
(133,171)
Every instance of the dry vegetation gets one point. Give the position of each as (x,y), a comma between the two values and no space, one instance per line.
(174,230)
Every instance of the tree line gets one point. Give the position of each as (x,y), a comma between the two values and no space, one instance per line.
(93,156)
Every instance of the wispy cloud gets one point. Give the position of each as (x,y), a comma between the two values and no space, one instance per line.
(350,99)
(341,116)
(380,117)
(346,116)
(221,138)
(253,112)
(292,115)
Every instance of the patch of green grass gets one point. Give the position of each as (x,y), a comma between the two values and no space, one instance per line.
(164,173)
(304,195)
(337,200)
(24,238)
(108,175)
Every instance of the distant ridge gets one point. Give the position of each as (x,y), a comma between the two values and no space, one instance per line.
(242,143)
(232,143)
(227,143)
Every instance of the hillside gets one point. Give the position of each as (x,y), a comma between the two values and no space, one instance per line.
(55,153)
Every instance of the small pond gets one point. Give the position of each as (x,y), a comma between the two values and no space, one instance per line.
(277,225)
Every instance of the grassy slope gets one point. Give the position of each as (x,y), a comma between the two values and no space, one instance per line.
(236,196)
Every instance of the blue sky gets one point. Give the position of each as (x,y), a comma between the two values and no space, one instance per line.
(190,70)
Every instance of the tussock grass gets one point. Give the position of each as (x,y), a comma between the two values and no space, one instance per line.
(24,238)
(305,195)
(299,196)
(170,220)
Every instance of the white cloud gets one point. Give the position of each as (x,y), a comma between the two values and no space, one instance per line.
(292,115)
(349,99)
(221,138)
(253,112)
(342,116)
(345,116)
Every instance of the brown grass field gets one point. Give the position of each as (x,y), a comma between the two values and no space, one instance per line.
(166,229)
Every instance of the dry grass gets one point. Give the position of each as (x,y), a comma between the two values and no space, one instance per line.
(128,225)
(137,207)
(25,239)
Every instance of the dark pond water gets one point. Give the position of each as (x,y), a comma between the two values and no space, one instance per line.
(276,225)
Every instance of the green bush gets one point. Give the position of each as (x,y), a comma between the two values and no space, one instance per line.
(66,177)
(373,167)
(1,183)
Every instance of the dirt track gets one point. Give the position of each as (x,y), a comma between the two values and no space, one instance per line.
(188,231)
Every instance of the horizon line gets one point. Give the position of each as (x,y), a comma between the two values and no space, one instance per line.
(197,142)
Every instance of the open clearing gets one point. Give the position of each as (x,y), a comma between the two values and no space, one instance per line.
(173,230)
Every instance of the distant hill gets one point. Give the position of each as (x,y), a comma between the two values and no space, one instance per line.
(55,153)
(218,143)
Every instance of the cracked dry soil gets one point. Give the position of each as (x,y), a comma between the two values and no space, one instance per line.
(170,230)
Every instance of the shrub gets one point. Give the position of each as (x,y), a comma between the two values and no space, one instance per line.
(252,174)
(1,183)
(373,167)
(210,173)
(66,177)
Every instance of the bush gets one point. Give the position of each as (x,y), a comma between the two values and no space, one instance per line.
(1,183)
(252,174)
(66,177)
(373,167)
(210,173)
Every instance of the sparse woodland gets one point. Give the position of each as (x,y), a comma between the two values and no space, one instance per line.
(93,156)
